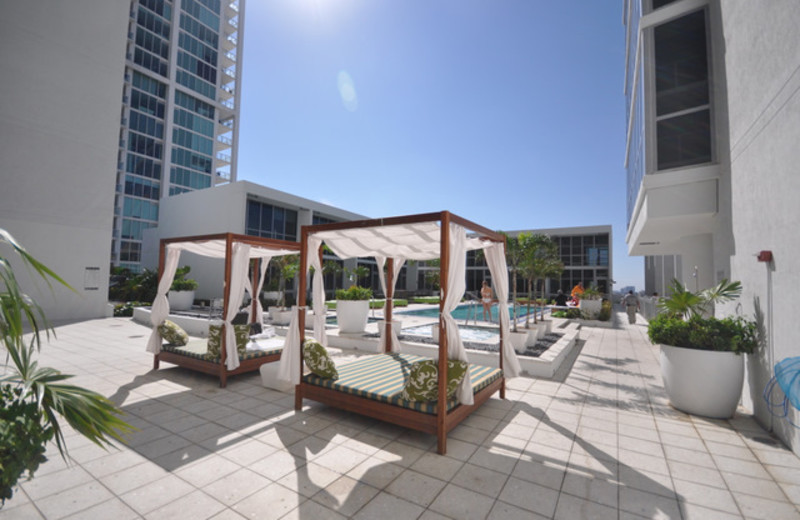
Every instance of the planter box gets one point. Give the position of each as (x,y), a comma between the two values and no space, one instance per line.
(702,382)
(591,307)
(351,316)
(180,300)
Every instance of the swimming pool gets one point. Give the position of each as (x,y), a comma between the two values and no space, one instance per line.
(466,333)
(470,311)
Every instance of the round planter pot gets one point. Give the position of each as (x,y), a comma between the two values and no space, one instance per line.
(518,341)
(702,382)
(351,316)
(533,335)
(544,327)
(180,300)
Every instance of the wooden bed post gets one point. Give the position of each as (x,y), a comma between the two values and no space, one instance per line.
(503,383)
(301,317)
(162,258)
(256,264)
(223,351)
(389,307)
(441,408)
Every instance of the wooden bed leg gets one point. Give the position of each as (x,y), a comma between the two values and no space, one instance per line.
(155,362)
(298,398)
(223,379)
(503,389)
(441,442)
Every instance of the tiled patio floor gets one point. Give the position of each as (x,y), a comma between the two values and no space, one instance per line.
(600,443)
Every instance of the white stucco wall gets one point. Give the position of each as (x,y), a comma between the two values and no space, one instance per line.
(222,209)
(61,89)
(762,45)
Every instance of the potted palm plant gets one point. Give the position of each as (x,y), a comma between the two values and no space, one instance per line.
(33,399)
(702,366)
(591,302)
(352,304)
(181,292)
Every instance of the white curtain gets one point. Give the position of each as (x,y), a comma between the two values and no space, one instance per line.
(289,367)
(456,285)
(239,263)
(317,291)
(496,259)
(259,317)
(160,309)
(398,264)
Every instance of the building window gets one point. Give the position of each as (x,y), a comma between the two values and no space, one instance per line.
(683,118)
(268,221)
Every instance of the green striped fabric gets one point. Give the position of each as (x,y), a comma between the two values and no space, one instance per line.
(197,349)
(382,377)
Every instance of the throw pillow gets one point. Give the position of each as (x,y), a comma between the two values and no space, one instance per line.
(318,360)
(173,333)
(423,380)
(214,344)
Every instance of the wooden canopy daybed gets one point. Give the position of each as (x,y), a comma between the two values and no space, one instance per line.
(242,253)
(371,386)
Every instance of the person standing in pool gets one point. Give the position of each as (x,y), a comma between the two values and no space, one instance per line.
(486,301)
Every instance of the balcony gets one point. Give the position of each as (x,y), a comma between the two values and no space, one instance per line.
(670,206)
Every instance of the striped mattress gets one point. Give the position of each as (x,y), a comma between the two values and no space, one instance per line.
(198,349)
(382,377)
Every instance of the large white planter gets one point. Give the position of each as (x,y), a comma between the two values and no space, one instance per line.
(591,307)
(351,316)
(702,382)
(180,300)
(519,341)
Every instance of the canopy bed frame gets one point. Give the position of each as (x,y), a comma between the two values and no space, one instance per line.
(239,253)
(391,241)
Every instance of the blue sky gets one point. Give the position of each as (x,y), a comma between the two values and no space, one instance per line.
(507,112)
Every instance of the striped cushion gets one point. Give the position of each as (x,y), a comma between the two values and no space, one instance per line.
(197,350)
(382,378)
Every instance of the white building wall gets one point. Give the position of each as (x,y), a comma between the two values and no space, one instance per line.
(222,209)
(762,44)
(61,84)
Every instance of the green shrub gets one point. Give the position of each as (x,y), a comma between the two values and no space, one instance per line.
(23,437)
(605,311)
(354,292)
(425,299)
(126,309)
(181,283)
(726,335)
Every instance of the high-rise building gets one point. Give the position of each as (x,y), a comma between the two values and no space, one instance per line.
(713,103)
(180,110)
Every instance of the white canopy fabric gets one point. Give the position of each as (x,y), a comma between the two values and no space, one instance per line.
(496,259)
(160,308)
(418,241)
(214,248)
(456,285)
(288,370)
(239,262)
(289,365)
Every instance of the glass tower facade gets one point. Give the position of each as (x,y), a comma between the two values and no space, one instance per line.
(179,118)
(667,92)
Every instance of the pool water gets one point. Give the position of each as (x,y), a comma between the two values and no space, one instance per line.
(472,311)
(466,333)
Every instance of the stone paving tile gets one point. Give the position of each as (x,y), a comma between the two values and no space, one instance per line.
(598,442)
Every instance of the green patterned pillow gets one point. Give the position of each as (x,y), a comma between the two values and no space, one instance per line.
(318,360)
(215,339)
(173,333)
(423,380)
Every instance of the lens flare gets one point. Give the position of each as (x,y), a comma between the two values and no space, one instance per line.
(347,91)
